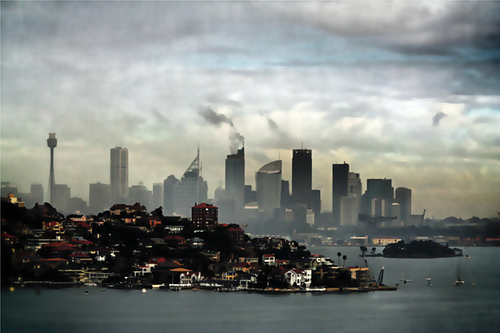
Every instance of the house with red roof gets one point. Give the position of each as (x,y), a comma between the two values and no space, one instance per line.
(236,233)
(79,256)
(53,262)
(55,226)
(59,249)
(8,239)
(190,277)
(282,262)
(117,209)
(299,277)
(84,225)
(245,267)
(174,240)
(268,259)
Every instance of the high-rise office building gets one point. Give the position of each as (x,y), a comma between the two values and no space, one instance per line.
(340,181)
(62,195)
(301,176)
(190,190)
(169,186)
(52,143)
(157,195)
(316,204)
(99,198)
(8,188)
(235,185)
(403,198)
(350,205)
(36,194)
(285,195)
(378,197)
(140,193)
(119,174)
(268,181)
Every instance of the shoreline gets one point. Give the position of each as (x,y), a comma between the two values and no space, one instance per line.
(318,290)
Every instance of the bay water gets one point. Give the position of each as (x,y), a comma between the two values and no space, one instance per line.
(414,307)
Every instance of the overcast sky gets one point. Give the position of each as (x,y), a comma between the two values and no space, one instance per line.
(406,90)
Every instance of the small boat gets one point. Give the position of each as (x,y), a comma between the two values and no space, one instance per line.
(467,256)
(459,281)
(429,281)
(144,290)
(86,292)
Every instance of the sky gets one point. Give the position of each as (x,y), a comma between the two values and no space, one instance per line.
(404,90)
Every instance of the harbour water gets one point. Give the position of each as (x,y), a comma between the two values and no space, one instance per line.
(414,307)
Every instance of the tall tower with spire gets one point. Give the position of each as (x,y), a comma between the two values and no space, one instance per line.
(52,143)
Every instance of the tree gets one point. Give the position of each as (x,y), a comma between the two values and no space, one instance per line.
(344,257)
(339,255)
(363,250)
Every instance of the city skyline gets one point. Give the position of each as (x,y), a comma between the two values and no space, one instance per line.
(406,91)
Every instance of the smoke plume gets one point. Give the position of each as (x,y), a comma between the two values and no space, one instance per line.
(215,118)
(437,118)
(235,139)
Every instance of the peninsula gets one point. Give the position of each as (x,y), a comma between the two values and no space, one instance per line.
(128,248)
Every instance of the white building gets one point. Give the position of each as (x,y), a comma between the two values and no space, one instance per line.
(299,277)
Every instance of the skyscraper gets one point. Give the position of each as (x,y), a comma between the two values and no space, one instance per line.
(62,195)
(169,186)
(36,194)
(99,197)
(403,198)
(119,174)
(52,143)
(157,195)
(268,180)
(316,204)
(235,184)
(350,204)
(340,176)
(379,192)
(301,176)
(191,189)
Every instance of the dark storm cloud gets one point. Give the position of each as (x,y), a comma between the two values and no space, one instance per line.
(421,28)
(354,79)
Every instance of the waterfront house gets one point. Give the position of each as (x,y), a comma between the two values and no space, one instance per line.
(299,277)
(190,277)
(384,240)
(229,275)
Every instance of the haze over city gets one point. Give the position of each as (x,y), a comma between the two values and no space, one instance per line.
(399,90)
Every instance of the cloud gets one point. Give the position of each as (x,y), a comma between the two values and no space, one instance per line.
(356,81)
